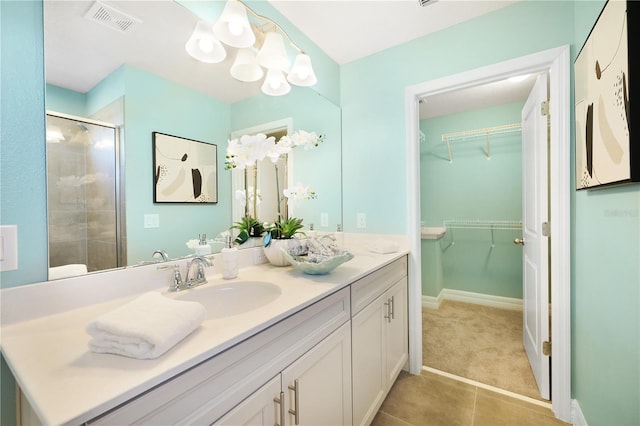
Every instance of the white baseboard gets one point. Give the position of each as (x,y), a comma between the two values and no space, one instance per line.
(577,418)
(431,302)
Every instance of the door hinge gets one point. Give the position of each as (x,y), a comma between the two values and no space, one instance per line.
(544,108)
(546,229)
(546,348)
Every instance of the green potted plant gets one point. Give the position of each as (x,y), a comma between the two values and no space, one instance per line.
(248,227)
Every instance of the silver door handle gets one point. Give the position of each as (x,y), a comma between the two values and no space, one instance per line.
(296,401)
(280,402)
(518,241)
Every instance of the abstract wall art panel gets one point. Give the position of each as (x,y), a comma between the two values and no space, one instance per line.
(184,170)
(607,147)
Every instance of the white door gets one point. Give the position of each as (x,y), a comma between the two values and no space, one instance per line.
(535,207)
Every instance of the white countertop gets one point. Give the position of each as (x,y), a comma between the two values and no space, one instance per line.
(47,347)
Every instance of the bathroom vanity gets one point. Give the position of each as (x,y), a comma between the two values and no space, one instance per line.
(326,350)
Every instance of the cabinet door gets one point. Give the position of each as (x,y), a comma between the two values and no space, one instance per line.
(397,333)
(369,361)
(259,409)
(318,385)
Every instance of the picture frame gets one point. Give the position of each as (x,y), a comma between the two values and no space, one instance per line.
(607,148)
(184,170)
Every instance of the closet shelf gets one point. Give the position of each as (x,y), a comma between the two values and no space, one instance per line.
(485,132)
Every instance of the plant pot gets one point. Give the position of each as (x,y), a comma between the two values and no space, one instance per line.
(274,252)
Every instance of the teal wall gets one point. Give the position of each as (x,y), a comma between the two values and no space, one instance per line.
(473,187)
(59,99)
(155,104)
(22,165)
(605,290)
(373,98)
(22,148)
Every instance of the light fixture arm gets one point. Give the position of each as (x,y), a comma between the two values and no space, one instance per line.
(277,27)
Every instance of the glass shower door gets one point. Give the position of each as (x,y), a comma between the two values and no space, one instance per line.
(82,196)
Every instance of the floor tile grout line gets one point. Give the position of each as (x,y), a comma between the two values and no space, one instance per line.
(488,387)
(397,418)
(475,403)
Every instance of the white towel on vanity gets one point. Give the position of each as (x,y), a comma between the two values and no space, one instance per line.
(146,327)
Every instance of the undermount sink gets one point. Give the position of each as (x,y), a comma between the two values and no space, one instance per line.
(233,298)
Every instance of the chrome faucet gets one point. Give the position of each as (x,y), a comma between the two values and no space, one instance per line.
(162,254)
(199,263)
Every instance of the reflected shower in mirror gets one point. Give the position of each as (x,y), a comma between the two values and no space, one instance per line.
(83,204)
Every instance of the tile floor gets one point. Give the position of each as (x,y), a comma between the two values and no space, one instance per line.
(431,399)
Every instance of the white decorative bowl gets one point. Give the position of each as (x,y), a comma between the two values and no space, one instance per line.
(317,268)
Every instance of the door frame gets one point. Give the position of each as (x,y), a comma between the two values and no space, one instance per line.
(556,61)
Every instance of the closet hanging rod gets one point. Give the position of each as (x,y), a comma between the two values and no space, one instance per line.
(492,225)
(483,224)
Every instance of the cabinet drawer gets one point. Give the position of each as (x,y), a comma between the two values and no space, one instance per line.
(367,289)
(207,391)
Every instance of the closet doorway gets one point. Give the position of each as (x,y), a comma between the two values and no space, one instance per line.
(471,151)
(556,62)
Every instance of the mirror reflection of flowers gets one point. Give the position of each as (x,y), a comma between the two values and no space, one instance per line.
(246,152)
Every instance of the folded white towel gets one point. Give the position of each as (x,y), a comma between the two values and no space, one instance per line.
(64,271)
(146,327)
(383,246)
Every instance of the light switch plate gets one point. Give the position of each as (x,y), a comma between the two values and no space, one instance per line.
(151,220)
(9,249)
(324,219)
(361,220)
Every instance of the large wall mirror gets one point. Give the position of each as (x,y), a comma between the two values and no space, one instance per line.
(138,80)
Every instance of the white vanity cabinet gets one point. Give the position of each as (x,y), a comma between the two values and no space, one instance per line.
(312,346)
(314,390)
(379,337)
(324,353)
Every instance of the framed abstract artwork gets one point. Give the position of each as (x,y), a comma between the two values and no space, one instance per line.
(184,170)
(606,127)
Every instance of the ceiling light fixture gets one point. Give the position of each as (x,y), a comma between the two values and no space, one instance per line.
(259,46)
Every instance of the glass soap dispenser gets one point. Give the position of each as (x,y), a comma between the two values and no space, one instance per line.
(229,259)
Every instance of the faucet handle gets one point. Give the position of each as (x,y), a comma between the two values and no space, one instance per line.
(176,283)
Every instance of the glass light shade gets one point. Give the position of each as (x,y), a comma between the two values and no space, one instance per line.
(275,84)
(233,27)
(301,73)
(245,67)
(204,46)
(273,55)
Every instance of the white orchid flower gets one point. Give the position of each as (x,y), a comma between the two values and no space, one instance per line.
(298,193)
(241,196)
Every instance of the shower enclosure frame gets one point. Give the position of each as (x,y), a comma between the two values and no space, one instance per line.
(119,184)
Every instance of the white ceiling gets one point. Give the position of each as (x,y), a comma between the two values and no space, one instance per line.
(348,30)
(80,53)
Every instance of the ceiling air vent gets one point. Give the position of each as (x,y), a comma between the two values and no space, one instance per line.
(424,3)
(111,17)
